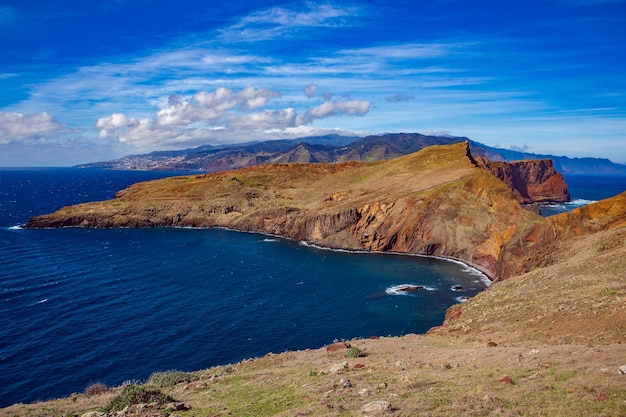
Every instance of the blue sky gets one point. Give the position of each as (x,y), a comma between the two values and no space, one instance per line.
(85,81)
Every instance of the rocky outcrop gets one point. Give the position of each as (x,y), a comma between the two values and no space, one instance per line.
(434,202)
(534,181)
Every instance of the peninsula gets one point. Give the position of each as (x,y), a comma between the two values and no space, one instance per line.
(545,339)
(438,201)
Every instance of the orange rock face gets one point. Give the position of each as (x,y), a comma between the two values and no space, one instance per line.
(532,181)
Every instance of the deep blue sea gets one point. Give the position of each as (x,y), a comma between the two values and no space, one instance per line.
(585,189)
(79,306)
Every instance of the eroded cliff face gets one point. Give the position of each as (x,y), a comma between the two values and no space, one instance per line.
(434,202)
(534,181)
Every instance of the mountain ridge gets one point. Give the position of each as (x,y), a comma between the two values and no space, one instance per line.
(334,148)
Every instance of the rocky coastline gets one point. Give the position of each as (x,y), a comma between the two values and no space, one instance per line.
(439,201)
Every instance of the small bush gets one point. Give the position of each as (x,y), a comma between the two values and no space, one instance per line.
(355,352)
(96,389)
(170,378)
(135,394)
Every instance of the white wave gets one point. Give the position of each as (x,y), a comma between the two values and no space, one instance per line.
(18,227)
(466,267)
(269,240)
(45,300)
(461,299)
(456,287)
(579,202)
(407,289)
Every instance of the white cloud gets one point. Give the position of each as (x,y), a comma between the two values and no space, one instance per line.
(279,22)
(252,98)
(17,127)
(211,106)
(398,98)
(310,90)
(223,112)
(266,119)
(334,108)
(406,51)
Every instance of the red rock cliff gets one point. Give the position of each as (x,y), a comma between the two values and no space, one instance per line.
(533,181)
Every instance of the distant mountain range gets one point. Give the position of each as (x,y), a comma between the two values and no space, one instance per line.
(334,148)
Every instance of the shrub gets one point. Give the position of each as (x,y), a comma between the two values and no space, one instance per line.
(170,378)
(135,394)
(96,389)
(355,352)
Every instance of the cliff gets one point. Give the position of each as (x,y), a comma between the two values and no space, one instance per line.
(433,202)
(532,181)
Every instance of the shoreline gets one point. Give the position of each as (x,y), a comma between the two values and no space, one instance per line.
(481,272)
(484,275)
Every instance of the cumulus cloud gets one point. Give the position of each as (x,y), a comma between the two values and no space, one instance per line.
(211,106)
(334,108)
(192,119)
(266,119)
(251,98)
(17,127)
(310,90)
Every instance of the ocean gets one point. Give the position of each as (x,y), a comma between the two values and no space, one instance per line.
(79,306)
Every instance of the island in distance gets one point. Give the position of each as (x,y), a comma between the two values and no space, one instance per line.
(335,148)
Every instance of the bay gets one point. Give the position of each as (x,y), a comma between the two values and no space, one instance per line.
(80,306)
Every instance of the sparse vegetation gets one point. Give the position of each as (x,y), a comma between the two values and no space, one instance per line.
(354,352)
(135,394)
(96,389)
(170,378)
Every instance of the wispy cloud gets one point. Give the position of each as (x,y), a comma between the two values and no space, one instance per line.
(398,98)
(406,51)
(280,22)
